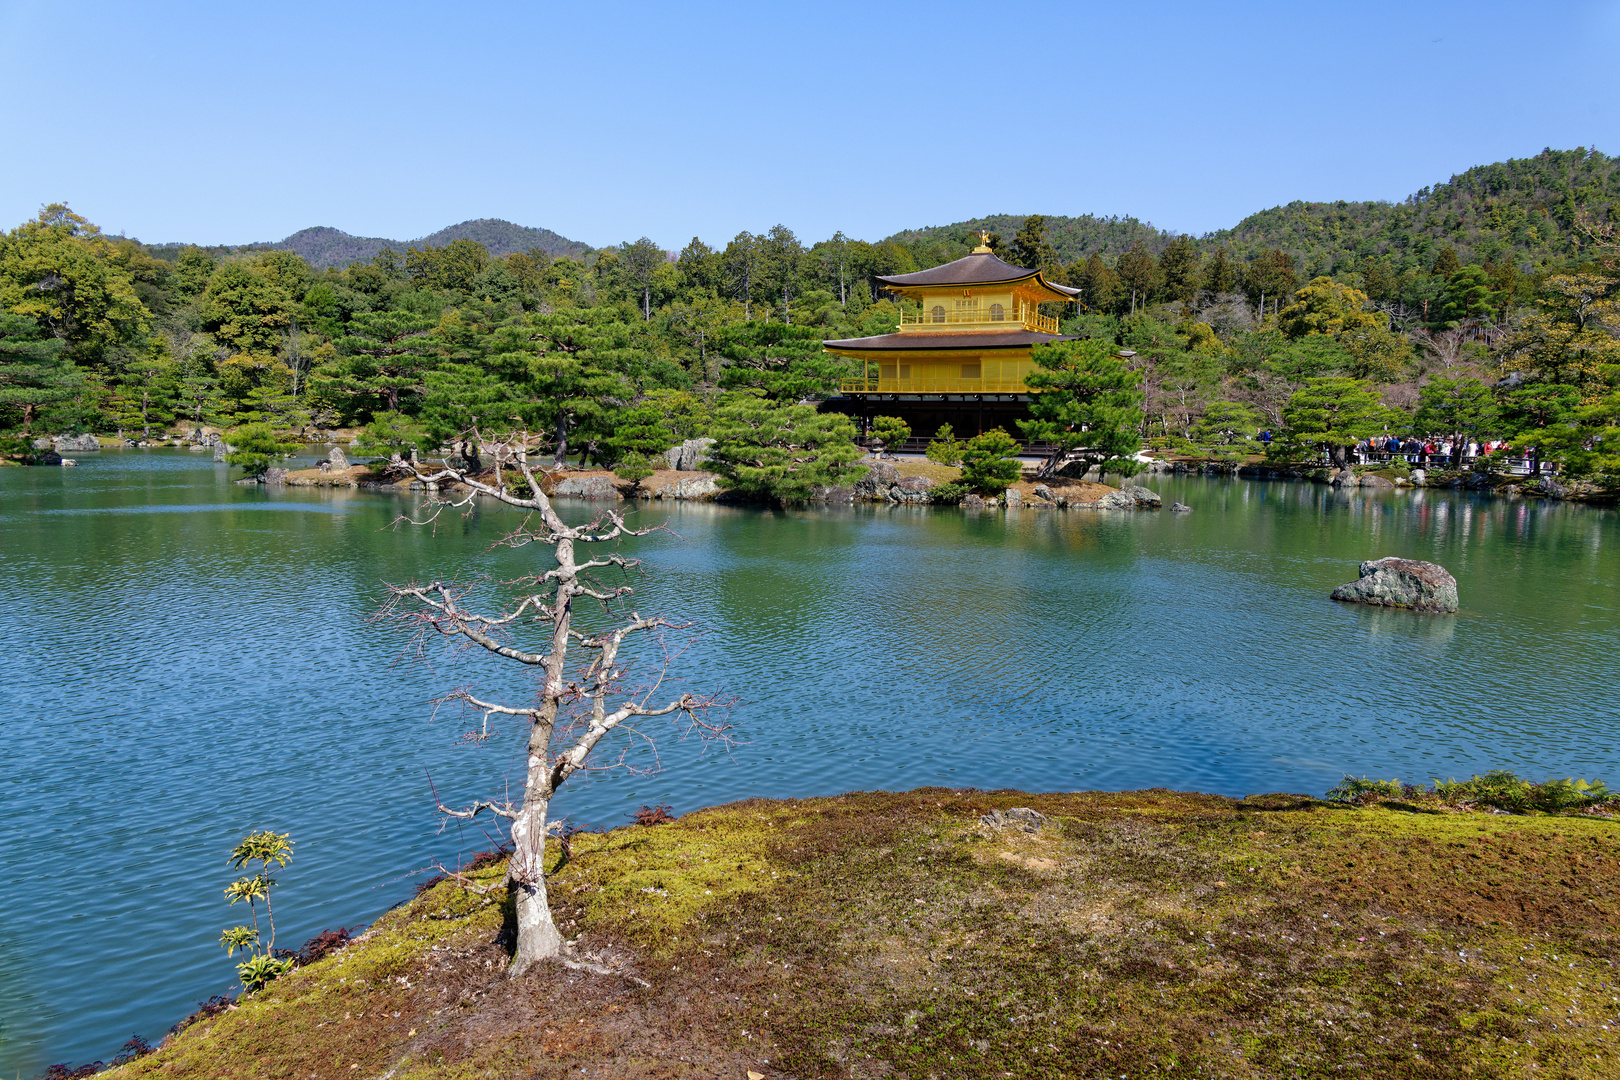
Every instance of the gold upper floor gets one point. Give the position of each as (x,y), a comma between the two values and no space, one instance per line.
(976,312)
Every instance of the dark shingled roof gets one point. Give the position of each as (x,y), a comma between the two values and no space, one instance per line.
(959,340)
(980,268)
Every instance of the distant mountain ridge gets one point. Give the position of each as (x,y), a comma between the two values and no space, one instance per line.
(1523,209)
(323,246)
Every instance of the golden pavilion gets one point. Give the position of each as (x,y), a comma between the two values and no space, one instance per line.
(961,357)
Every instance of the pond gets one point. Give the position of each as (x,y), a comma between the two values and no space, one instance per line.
(190,660)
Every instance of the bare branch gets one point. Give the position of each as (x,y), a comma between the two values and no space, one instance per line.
(583,695)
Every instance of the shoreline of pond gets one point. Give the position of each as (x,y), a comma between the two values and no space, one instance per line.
(1547,486)
(912,478)
(738,939)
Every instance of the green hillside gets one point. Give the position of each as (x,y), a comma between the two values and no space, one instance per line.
(1523,209)
(1072,238)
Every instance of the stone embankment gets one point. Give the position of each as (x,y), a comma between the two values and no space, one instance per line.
(901,483)
(884,482)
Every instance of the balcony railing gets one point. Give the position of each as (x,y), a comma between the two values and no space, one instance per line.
(933,386)
(1024,315)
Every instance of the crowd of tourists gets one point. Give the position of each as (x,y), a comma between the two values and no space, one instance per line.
(1424,453)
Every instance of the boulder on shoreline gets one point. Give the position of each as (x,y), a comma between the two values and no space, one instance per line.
(69,444)
(688,456)
(588,487)
(1402,583)
(1128,497)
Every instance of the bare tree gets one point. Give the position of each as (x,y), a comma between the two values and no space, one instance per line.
(585,693)
(1446,346)
(1266,392)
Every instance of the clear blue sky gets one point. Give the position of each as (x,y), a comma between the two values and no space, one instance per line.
(229,123)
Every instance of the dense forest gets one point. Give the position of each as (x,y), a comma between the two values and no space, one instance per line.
(1486,306)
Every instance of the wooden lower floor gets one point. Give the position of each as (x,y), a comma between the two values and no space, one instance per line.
(968,414)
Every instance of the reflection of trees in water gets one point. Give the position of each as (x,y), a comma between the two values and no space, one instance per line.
(948,595)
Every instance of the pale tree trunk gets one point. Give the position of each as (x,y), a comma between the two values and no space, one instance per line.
(587,681)
(537,935)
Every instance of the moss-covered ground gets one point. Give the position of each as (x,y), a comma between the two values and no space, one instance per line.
(1142,934)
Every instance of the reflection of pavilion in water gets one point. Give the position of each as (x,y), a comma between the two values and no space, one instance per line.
(961,358)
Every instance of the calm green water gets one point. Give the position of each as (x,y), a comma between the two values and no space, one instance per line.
(188,660)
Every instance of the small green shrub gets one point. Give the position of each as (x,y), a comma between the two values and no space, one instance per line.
(1499,788)
(267,849)
(945,448)
(255,446)
(989,464)
(891,430)
(951,492)
(634,467)
(392,433)
(1362,790)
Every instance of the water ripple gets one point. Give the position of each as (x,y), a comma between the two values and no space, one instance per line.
(181,675)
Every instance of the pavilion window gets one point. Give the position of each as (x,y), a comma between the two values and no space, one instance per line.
(887,371)
(938,313)
(970,371)
(997,313)
(905,371)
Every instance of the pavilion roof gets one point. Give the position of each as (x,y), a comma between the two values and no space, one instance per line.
(978,268)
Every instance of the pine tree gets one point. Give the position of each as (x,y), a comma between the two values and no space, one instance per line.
(1086,405)
(35,373)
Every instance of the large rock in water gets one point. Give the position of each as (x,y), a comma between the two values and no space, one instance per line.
(338,460)
(883,482)
(1403,583)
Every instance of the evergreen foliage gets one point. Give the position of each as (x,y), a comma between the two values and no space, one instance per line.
(990,462)
(1333,413)
(1087,408)
(255,446)
(780,452)
(34,373)
(1507,275)
(891,431)
(945,448)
